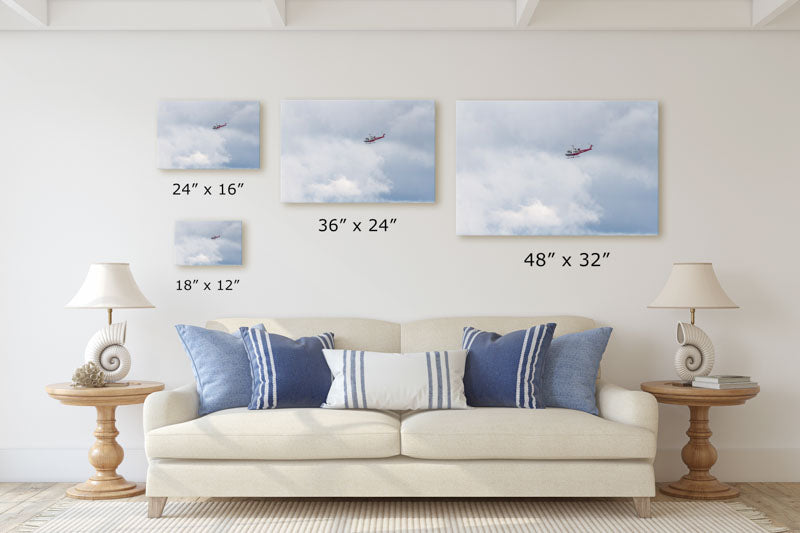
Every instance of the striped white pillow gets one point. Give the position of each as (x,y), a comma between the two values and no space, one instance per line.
(376,380)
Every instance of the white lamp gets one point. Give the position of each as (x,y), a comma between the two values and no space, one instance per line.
(109,286)
(693,286)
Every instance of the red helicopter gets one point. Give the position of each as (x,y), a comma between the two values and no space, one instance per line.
(373,138)
(218,126)
(575,152)
(215,237)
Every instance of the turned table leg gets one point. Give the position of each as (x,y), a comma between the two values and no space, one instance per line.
(699,455)
(105,455)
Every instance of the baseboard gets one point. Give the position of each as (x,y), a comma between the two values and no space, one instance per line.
(53,464)
(738,464)
(66,464)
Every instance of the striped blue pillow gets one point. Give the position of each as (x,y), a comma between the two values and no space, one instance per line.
(401,382)
(506,371)
(286,372)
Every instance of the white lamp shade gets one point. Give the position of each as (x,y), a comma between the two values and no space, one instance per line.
(693,286)
(109,286)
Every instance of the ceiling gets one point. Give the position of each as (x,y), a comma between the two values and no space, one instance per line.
(399,14)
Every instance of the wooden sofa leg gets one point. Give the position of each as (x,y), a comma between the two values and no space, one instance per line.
(155,506)
(642,506)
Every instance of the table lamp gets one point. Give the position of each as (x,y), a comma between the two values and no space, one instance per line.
(693,286)
(109,286)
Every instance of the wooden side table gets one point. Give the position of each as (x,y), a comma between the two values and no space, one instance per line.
(698,454)
(106,454)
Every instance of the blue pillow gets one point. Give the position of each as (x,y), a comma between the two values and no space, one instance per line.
(506,371)
(286,372)
(571,369)
(220,365)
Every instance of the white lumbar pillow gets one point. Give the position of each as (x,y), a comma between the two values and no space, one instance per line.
(396,381)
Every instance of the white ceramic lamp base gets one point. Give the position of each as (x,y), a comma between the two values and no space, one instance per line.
(106,349)
(695,357)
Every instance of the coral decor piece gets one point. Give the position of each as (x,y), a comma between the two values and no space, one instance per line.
(89,375)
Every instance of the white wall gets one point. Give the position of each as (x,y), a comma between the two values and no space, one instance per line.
(79,184)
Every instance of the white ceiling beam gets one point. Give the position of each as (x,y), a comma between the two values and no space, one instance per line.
(528,15)
(158,15)
(525,9)
(400,14)
(765,11)
(34,11)
(277,11)
(642,15)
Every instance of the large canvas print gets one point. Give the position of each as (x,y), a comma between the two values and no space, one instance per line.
(358,151)
(208,134)
(208,242)
(557,168)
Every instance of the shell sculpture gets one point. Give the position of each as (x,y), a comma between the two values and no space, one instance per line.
(106,350)
(695,357)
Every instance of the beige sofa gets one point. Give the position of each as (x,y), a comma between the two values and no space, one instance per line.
(480,452)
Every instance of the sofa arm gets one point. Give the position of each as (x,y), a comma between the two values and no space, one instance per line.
(635,408)
(171,407)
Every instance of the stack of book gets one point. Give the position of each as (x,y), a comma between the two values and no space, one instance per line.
(723,382)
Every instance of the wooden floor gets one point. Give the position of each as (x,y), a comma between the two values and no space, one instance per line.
(21,501)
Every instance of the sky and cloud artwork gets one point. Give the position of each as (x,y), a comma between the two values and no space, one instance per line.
(208,242)
(557,168)
(208,134)
(358,151)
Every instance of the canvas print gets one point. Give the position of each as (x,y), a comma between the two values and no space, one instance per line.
(557,168)
(358,151)
(208,242)
(207,134)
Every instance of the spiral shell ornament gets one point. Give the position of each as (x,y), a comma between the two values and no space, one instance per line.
(106,350)
(695,357)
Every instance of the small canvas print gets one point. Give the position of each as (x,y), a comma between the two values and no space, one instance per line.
(557,168)
(207,134)
(358,151)
(208,242)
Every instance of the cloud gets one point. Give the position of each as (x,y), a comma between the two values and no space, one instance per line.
(533,215)
(192,147)
(512,192)
(324,158)
(186,139)
(195,160)
(194,245)
(198,251)
(333,170)
(513,177)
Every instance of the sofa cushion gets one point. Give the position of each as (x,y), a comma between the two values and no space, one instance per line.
(448,333)
(351,333)
(279,434)
(509,433)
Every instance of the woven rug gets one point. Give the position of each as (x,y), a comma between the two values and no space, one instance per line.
(564,516)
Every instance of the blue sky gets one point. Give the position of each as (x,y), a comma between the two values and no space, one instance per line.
(194,245)
(187,140)
(514,179)
(324,157)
